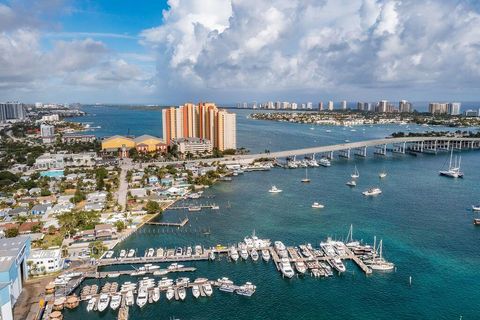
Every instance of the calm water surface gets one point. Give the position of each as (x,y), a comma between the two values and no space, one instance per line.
(423,219)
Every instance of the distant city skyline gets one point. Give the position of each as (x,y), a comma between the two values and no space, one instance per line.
(168,52)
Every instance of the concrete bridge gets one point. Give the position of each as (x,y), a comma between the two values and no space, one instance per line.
(351,149)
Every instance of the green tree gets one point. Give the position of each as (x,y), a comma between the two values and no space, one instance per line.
(11,233)
(120,225)
(152,207)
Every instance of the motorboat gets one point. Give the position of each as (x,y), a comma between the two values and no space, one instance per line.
(305,251)
(91,304)
(178,252)
(150,252)
(160,252)
(328,248)
(324,162)
(233,253)
(355,173)
(215,207)
(476,207)
(156,294)
(142,297)
(453,169)
(207,288)
(196,291)
(279,245)
(224,280)
(103,302)
(198,250)
(317,205)
(254,254)
(182,293)
(182,281)
(300,266)
(286,268)
(122,253)
(248,289)
(476,221)
(337,264)
(274,189)
(131,253)
(165,283)
(244,253)
(129,299)
(170,293)
(113,275)
(351,183)
(115,301)
(211,256)
(265,255)
(175,266)
(194,208)
(372,192)
(382,174)
(109,254)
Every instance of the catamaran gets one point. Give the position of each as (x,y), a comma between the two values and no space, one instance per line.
(453,169)
(355,173)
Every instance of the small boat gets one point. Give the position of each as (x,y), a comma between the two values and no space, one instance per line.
(211,256)
(103,302)
(122,254)
(194,208)
(317,205)
(300,266)
(131,253)
(196,291)
(91,304)
(286,268)
(254,254)
(244,253)
(150,252)
(115,301)
(215,207)
(306,179)
(476,221)
(170,293)
(178,252)
(476,208)
(156,294)
(175,266)
(207,288)
(352,183)
(109,254)
(382,174)
(142,297)
(189,252)
(113,275)
(265,254)
(355,173)
(337,264)
(274,189)
(233,254)
(372,192)
(182,281)
(182,293)
(129,299)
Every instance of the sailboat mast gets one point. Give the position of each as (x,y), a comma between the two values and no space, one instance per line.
(451,156)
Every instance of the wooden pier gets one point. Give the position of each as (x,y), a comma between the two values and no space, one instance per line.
(203,206)
(169,224)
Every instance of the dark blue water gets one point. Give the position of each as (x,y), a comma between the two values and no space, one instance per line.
(423,219)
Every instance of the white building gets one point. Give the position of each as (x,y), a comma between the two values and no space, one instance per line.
(49,161)
(454,108)
(330,105)
(343,105)
(47,132)
(193,145)
(309,105)
(45,261)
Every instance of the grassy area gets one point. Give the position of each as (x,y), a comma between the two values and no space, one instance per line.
(51,240)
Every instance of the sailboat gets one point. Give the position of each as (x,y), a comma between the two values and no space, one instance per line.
(350,242)
(378,262)
(306,179)
(355,173)
(453,170)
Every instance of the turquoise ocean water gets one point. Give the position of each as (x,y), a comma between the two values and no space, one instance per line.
(423,219)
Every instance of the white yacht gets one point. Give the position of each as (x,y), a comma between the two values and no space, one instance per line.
(317,205)
(286,268)
(453,169)
(301,267)
(142,296)
(109,254)
(195,291)
(351,183)
(165,283)
(254,254)
(274,189)
(115,302)
(476,207)
(150,252)
(182,293)
(355,173)
(207,288)
(211,256)
(243,252)
(170,293)
(328,248)
(129,299)
(156,294)
(175,266)
(122,253)
(91,304)
(233,253)
(182,281)
(265,254)
(372,192)
(382,174)
(248,289)
(337,264)
(131,253)
(279,246)
(324,162)
(103,302)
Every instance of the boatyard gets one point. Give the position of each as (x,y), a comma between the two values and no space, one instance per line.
(289,261)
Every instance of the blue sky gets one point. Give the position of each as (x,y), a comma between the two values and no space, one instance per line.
(239,50)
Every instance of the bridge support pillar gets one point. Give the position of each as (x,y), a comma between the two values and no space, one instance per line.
(361,152)
(344,153)
(381,150)
(329,155)
(399,147)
